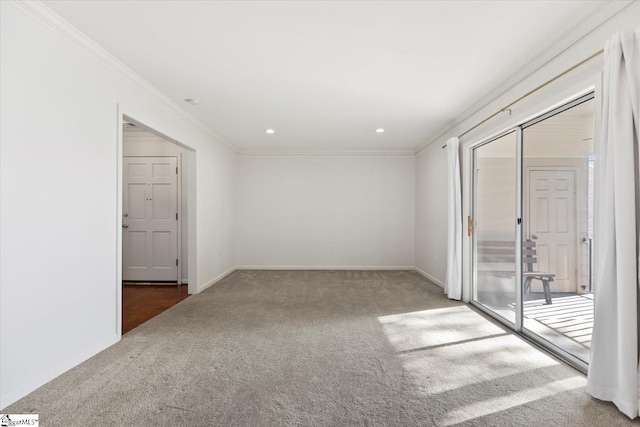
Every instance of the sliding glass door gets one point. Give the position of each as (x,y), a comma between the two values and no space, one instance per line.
(533,229)
(558,160)
(494,224)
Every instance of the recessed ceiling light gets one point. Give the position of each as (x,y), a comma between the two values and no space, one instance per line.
(270,131)
(379,130)
(192,101)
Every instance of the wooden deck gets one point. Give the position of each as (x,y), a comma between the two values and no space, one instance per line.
(569,317)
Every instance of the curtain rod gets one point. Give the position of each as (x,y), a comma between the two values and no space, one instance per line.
(537,88)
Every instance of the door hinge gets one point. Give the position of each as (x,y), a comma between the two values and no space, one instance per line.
(469,226)
(176,262)
(176,170)
(176,216)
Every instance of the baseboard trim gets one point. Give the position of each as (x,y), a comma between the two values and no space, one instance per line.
(216,279)
(323,267)
(429,277)
(15,395)
(302,153)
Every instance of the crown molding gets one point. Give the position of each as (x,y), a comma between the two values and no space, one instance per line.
(41,13)
(572,37)
(328,153)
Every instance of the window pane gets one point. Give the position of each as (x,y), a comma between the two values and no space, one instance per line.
(494,225)
(558,224)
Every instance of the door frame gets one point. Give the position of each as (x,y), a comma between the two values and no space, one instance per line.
(192,202)
(179,208)
(577,189)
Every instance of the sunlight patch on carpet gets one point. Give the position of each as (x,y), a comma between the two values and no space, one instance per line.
(453,348)
(491,406)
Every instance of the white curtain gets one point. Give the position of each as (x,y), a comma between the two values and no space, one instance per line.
(453,282)
(613,369)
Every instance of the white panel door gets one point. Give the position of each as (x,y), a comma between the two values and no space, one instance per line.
(150,219)
(552,225)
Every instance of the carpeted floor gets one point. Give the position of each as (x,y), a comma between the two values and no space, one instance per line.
(319,348)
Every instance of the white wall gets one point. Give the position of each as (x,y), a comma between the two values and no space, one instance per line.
(431,213)
(293,209)
(59,198)
(147,144)
(431,198)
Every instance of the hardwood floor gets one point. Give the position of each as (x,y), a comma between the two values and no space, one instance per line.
(143,302)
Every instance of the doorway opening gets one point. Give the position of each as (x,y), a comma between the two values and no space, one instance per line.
(154,218)
(532,237)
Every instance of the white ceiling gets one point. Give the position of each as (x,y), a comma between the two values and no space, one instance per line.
(326,74)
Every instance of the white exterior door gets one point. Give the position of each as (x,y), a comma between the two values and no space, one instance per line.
(552,225)
(150,219)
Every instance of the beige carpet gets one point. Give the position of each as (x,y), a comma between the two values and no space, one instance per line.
(319,348)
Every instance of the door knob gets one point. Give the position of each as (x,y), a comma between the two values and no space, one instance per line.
(125,214)
(534,237)
(125,225)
